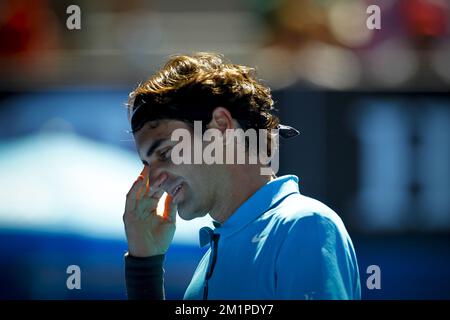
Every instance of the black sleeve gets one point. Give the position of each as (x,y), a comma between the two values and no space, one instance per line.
(144,277)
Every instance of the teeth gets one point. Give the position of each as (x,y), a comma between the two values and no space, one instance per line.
(177,189)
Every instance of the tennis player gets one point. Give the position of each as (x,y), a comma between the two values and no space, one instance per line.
(269,241)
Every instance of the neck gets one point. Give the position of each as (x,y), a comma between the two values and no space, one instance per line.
(240,184)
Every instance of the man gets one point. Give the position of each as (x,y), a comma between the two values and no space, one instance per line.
(269,241)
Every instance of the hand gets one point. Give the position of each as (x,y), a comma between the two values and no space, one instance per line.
(148,234)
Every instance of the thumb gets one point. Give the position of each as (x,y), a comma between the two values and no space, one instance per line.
(170,209)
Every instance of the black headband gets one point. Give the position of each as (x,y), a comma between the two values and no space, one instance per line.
(141,115)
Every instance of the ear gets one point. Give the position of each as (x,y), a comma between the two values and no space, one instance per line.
(221,120)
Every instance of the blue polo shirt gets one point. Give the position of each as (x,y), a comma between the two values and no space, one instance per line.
(279,244)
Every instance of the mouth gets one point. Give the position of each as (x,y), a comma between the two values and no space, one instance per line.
(175,191)
(177,188)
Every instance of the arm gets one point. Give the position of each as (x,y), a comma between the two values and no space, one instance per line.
(149,235)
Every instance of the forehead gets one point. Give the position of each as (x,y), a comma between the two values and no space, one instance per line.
(155,130)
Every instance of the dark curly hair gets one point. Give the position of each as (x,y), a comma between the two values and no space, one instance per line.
(189,87)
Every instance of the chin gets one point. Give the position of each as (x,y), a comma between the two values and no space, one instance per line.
(187,214)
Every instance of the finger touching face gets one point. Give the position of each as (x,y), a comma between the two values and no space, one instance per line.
(189,184)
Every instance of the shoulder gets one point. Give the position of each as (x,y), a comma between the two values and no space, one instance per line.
(302,217)
(298,209)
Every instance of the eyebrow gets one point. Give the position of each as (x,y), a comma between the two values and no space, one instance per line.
(152,148)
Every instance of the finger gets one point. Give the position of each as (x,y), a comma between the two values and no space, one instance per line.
(146,175)
(151,191)
(152,197)
(143,172)
(156,185)
(148,205)
(155,196)
(137,183)
(140,191)
(147,185)
(150,202)
(132,193)
(170,209)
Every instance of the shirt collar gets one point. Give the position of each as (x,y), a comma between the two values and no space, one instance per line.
(267,197)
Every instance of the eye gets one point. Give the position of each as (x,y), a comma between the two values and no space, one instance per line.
(164,154)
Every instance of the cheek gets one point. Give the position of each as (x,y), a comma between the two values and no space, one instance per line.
(200,178)
(186,172)
(197,178)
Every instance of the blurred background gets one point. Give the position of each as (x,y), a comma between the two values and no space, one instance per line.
(373,107)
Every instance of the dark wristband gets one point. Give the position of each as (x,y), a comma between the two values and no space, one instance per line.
(144,277)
